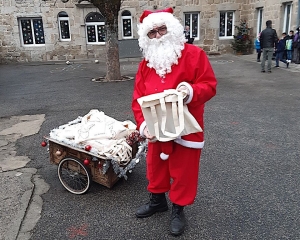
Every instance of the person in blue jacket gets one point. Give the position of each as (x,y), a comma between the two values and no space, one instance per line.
(257,47)
(280,47)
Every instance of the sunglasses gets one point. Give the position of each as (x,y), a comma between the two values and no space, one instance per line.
(161,30)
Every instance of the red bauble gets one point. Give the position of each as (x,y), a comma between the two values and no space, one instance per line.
(86,162)
(88,148)
(43,144)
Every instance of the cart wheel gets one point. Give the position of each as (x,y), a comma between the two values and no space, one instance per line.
(73,175)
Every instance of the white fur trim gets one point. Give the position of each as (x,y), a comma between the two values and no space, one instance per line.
(142,127)
(164,156)
(191,91)
(189,144)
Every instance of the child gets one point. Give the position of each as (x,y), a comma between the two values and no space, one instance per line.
(280,47)
(289,49)
(257,47)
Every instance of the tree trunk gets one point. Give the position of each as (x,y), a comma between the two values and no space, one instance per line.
(110,10)
(112,56)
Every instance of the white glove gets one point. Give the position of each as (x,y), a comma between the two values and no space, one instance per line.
(184,89)
(148,135)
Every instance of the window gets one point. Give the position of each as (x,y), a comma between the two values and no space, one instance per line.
(226,25)
(126,24)
(192,20)
(64,27)
(32,31)
(259,20)
(95,28)
(287,17)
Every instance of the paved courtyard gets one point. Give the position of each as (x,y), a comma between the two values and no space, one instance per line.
(249,178)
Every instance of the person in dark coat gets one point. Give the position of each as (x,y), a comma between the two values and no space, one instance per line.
(268,41)
(280,48)
(296,47)
(187,35)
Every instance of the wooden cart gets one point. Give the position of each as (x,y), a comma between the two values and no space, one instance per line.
(77,167)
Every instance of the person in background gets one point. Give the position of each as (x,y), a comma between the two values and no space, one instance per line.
(280,47)
(286,37)
(170,63)
(291,36)
(296,47)
(187,35)
(257,47)
(289,46)
(268,40)
(187,31)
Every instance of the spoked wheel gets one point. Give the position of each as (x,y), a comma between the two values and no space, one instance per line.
(73,175)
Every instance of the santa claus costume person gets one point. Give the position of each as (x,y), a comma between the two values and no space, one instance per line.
(170,63)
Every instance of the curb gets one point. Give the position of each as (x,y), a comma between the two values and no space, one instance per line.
(70,62)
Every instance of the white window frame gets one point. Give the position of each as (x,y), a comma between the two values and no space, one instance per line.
(130,18)
(60,35)
(94,24)
(260,20)
(287,19)
(233,26)
(198,24)
(32,28)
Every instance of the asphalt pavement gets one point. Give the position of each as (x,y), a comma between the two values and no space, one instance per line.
(249,179)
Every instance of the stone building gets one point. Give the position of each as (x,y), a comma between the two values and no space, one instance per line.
(47,30)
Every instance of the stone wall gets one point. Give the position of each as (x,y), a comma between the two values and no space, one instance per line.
(273,10)
(11,48)
(10,40)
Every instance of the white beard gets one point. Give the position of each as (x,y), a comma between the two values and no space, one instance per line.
(162,53)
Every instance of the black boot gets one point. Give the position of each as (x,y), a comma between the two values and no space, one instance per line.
(157,203)
(177,220)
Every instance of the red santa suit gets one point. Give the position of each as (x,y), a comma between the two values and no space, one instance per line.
(177,175)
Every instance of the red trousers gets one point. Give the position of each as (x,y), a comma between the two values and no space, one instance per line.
(177,175)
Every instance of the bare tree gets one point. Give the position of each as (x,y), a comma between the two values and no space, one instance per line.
(110,10)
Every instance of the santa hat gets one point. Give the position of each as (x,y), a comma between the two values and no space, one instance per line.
(150,19)
(146,13)
(167,149)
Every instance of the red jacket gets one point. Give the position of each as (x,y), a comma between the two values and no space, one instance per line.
(195,72)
